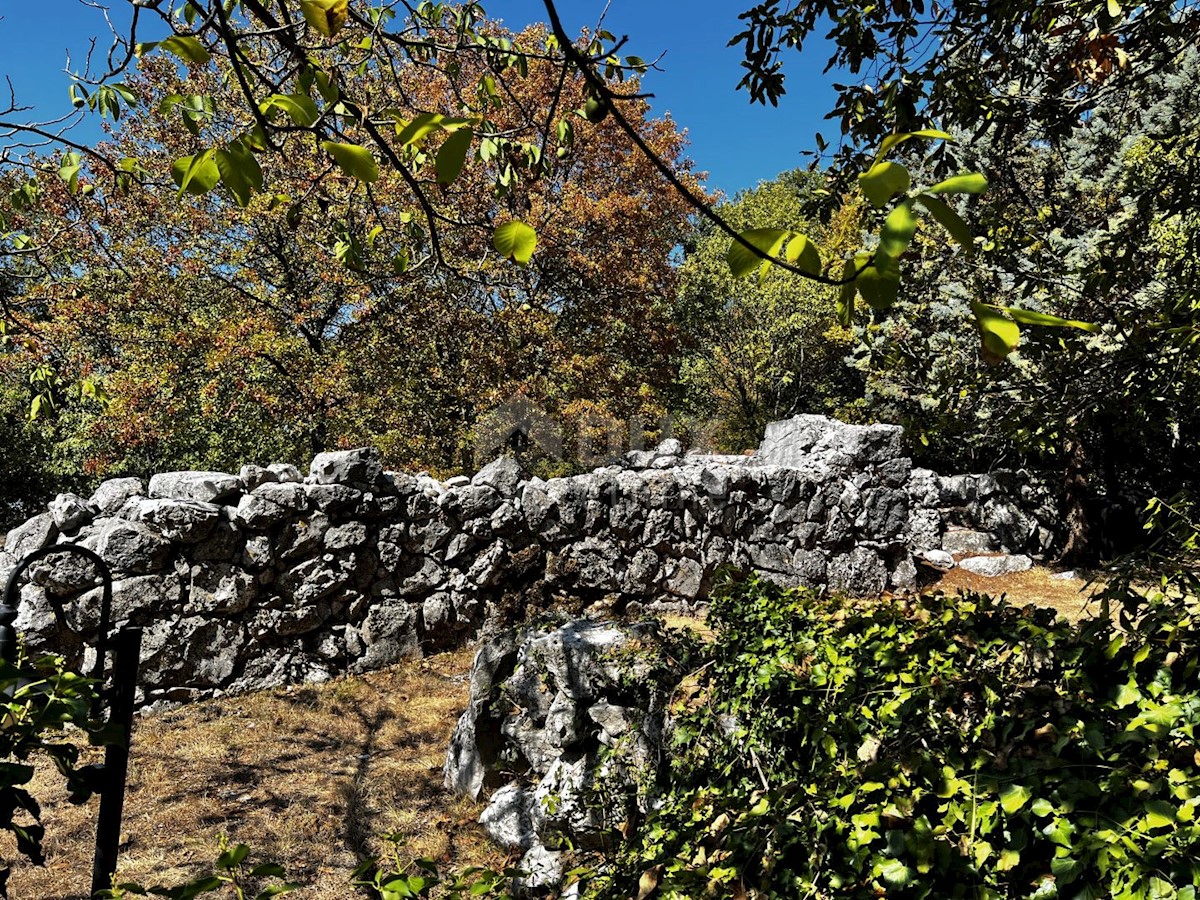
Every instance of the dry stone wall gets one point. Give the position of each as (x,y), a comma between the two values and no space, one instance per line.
(272,576)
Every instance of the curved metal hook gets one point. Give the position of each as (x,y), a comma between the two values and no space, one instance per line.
(8,605)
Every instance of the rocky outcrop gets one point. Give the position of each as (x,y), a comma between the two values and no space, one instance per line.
(251,580)
(575,714)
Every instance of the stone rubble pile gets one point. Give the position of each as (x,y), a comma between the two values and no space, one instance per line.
(574,717)
(270,576)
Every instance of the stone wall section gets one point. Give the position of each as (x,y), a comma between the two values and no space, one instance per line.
(270,576)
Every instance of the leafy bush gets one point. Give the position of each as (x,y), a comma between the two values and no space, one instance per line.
(39,699)
(232,876)
(391,877)
(929,747)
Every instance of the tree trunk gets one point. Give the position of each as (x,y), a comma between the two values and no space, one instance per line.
(1081,545)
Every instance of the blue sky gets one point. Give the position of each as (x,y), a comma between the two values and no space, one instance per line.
(738,144)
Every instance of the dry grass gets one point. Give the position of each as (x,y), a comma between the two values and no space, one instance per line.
(1069,596)
(309,776)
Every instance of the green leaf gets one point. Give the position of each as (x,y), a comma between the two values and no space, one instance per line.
(515,241)
(884,180)
(969,183)
(414,133)
(895,236)
(804,255)
(240,172)
(1013,797)
(999,335)
(326,16)
(895,874)
(354,160)
(1029,317)
(1127,694)
(1042,807)
(233,857)
(879,288)
(187,48)
(950,220)
(847,292)
(196,174)
(931,134)
(68,170)
(1159,814)
(742,261)
(452,156)
(1065,869)
(299,108)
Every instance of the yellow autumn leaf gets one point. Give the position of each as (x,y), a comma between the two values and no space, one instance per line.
(327,16)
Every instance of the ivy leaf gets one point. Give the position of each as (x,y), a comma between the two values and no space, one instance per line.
(515,241)
(1065,869)
(1029,317)
(969,183)
(950,220)
(895,874)
(1013,797)
(354,160)
(884,180)
(1127,694)
(999,335)
(453,155)
(326,16)
(742,261)
(1159,814)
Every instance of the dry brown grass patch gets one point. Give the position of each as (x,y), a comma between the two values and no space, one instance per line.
(309,776)
(1069,596)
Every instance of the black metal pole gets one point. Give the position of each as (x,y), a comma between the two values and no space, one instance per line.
(126,650)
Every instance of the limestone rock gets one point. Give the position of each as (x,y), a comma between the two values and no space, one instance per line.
(36,533)
(502,475)
(111,495)
(71,512)
(182,521)
(129,548)
(205,487)
(936,559)
(860,573)
(356,468)
(996,566)
(964,540)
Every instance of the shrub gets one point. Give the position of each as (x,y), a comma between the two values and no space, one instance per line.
(929,747)
(39,700)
